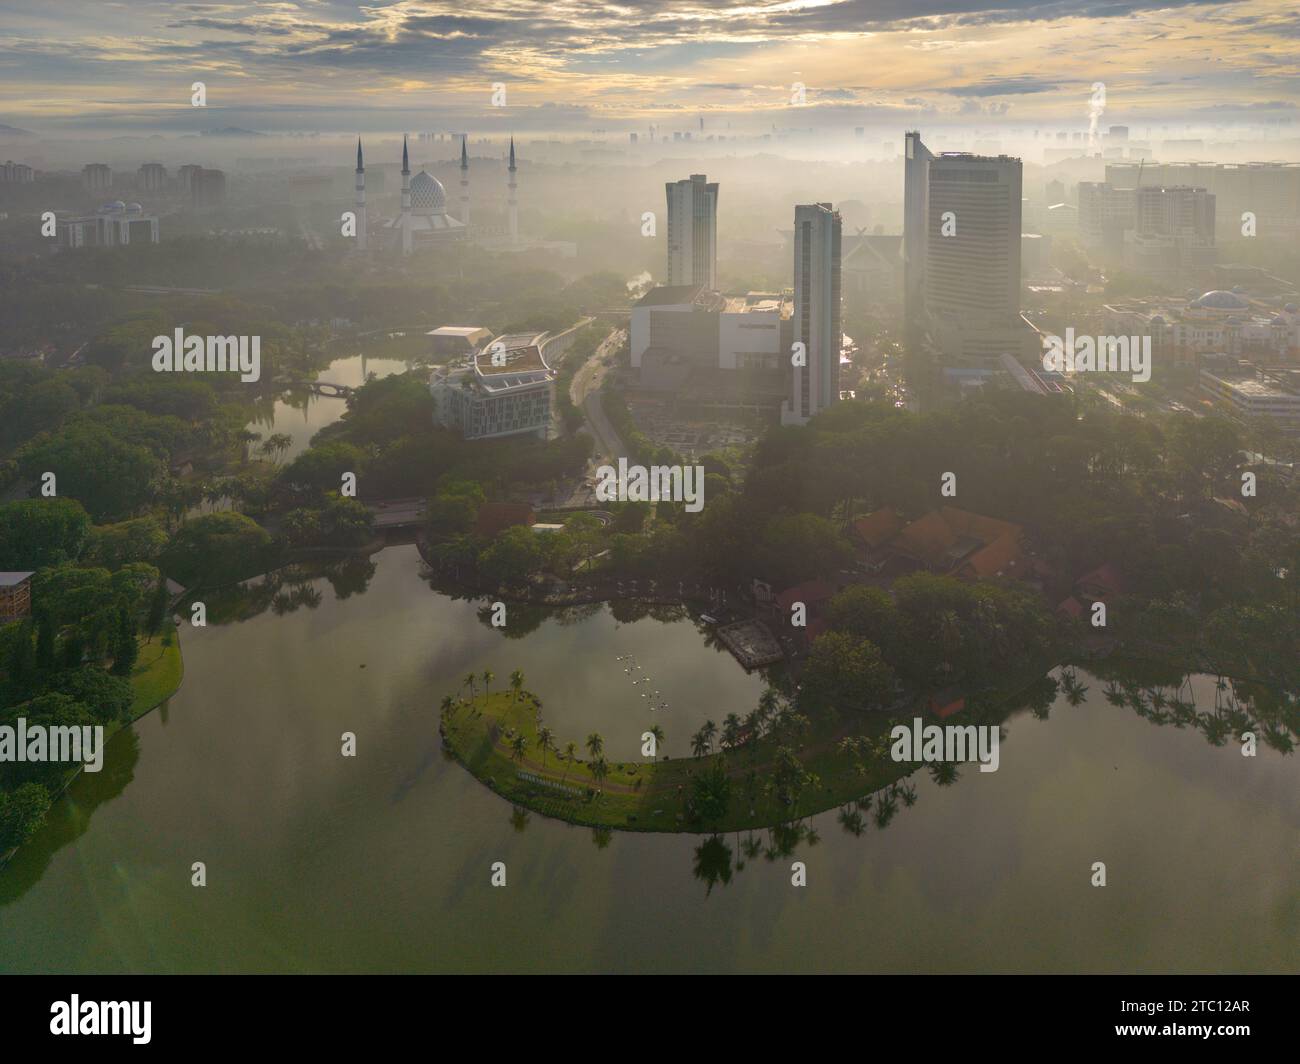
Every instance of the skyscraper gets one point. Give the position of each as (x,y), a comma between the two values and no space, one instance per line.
(916,186)
(815,384)
(972,255)
(693,231)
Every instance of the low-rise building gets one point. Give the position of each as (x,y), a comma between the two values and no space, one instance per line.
(504,389)
(1263,396)
(15,596)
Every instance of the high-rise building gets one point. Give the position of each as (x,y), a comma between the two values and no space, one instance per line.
(972,255)
(815,384)
(12,173)
(693,231)
(1270,192)
(152,177)
(1173,233)
(96,177)
(1106,213)
(916,186)
(207,188)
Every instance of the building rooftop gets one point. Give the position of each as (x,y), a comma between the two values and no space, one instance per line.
(671,295)
(14,578)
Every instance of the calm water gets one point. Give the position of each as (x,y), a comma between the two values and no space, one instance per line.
(307,413)
(381,863)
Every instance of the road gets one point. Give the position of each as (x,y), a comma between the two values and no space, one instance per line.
(585,393)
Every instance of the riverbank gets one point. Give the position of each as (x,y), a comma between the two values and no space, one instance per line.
(157,676)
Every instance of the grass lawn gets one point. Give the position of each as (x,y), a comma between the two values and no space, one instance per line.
(157,673)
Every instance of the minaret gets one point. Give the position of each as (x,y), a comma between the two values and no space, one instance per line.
(406,199)
(361,200)
(464,180)
(513,200)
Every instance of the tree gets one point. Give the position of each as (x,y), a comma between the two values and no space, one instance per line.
(447,704)
(468,681)
(544,742)
(518,745)
(731,731)
(570,750)
(45,643)
(845,673)
(217,549)
(488,677)
(599,770)
(658,733)
(595,744)
(699,743)
(125,648)
(512,558)
(22,811)
(516,685)
(711,792)
(35,533)
(110,477)
(157,608)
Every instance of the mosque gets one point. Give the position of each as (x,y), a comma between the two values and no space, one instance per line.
(423,220)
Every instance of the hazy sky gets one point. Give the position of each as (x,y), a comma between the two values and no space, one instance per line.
(576,65)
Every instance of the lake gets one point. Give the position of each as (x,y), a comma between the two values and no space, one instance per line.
(320,863)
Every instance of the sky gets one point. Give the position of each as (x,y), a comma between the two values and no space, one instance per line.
(585,65)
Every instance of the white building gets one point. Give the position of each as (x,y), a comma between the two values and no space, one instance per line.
(504,389)
(113,224)
(1255,397)
(12,173)
(693,231)
(815,382)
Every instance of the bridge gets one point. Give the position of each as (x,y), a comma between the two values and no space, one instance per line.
(397,513)
(337,391)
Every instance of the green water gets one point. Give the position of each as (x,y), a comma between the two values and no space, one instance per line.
(382,862)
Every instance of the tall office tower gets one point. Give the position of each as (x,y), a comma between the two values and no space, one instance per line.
(464,179)
(513,199)
(151,177)
(406,200)
(916,186)
(972,255)
(96,177)
(815,385)
(361,199)
(693,231)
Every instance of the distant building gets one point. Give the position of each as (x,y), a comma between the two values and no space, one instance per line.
(96,177)
(693,232)
(667,299)
(1256,397)
(815,384)
(505,390)
(423,219)
(185,177)
(1269,191)
(151,177)
(15,596)
(916,189)
(872,270)
(207,188)
(12,173)
(1216,322)
(112,225)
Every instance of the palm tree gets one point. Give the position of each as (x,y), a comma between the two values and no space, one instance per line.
(699,743)
(570,749)
(518,744)
(658,734)
(516,684)
(730,731)
(488,677)
(595,745)
(468,681)
(599,770)
(709,731)
(447,703)
(544,741)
